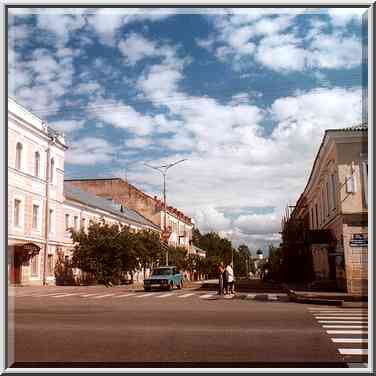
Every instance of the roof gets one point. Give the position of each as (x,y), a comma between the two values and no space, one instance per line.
(76,194)
(359,127)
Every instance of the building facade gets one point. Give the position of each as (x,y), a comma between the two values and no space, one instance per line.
(331,216)
(41,207)
(121,191)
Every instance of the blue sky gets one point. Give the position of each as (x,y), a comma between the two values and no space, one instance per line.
(244,94)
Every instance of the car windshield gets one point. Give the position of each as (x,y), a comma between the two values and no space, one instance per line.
(162,272)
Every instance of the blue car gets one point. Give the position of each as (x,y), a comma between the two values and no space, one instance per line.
(164,277)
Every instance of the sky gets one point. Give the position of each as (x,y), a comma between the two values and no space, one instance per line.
(244,95)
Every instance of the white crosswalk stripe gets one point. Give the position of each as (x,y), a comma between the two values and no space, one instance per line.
(63,296)
(124,295)
(186,295)
(341,322)
(207,296)
(348,329)
(353,351)
(102,296)
(349,340)
(165,295)
(148,295)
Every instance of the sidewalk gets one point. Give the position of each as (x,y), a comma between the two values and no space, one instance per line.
(299,294)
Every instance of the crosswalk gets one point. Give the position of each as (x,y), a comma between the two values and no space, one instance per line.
(140,295)
(348,330)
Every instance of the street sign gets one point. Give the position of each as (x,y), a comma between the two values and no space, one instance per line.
(359,240)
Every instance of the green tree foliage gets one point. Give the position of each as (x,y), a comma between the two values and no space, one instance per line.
(243,263)
(178,256)
(107,251)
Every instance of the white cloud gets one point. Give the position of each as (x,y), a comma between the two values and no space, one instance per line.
(276,43)
(258,224)
(67,126)
(89,151)
(136,47)
(210,219)
(342,16)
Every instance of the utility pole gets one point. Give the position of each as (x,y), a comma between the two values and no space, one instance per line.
(163,170)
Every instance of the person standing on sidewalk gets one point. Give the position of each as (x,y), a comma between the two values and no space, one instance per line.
(221,270)
(230,279)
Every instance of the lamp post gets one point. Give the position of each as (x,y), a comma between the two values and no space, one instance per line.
(163,170)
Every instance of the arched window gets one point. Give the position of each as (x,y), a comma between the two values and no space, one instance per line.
(52,170)
(36,163)
(18,155)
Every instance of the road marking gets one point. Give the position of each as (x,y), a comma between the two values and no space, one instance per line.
(102,296)
(186,295)
(350,340)
(124,295)
(206,296)
(344,326)
(87,295)
(340,317)
(62,296)
(165,295)
(353,351)
(341,322)
(250,296)
(145,295)
(347,331)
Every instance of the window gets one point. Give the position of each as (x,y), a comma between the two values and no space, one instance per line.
(50,264)
(334,191)
(17,212)
(75,222)
(52,170)
(50,218)
(328,206)
(34,266)
(83,223)
(35,216)
(18,156)
(66,221)
(37,163)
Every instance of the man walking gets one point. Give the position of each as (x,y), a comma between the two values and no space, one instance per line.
(221,270)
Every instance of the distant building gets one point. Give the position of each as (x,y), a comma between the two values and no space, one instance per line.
(330,217)
(151,208)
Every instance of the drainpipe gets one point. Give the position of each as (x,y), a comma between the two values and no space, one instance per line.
(46,211)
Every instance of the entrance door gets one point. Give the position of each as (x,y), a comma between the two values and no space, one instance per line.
(15,274)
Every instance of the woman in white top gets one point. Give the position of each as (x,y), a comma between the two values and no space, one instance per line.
(230,279)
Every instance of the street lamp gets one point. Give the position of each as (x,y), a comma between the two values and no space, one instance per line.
(163,170)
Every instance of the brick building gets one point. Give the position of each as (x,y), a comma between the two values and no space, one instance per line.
(331,215)
(150,207)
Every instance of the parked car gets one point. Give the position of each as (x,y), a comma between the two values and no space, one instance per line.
(164,277)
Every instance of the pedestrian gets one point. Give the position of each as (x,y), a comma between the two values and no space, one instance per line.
(221,270)
(230,279)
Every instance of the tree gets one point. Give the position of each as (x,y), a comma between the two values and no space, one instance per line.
(242,260)
(177,256)
(147,248)
(104,251)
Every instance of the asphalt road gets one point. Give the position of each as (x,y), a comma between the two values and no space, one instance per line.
(115,327)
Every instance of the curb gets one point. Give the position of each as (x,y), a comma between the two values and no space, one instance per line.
(323,301)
